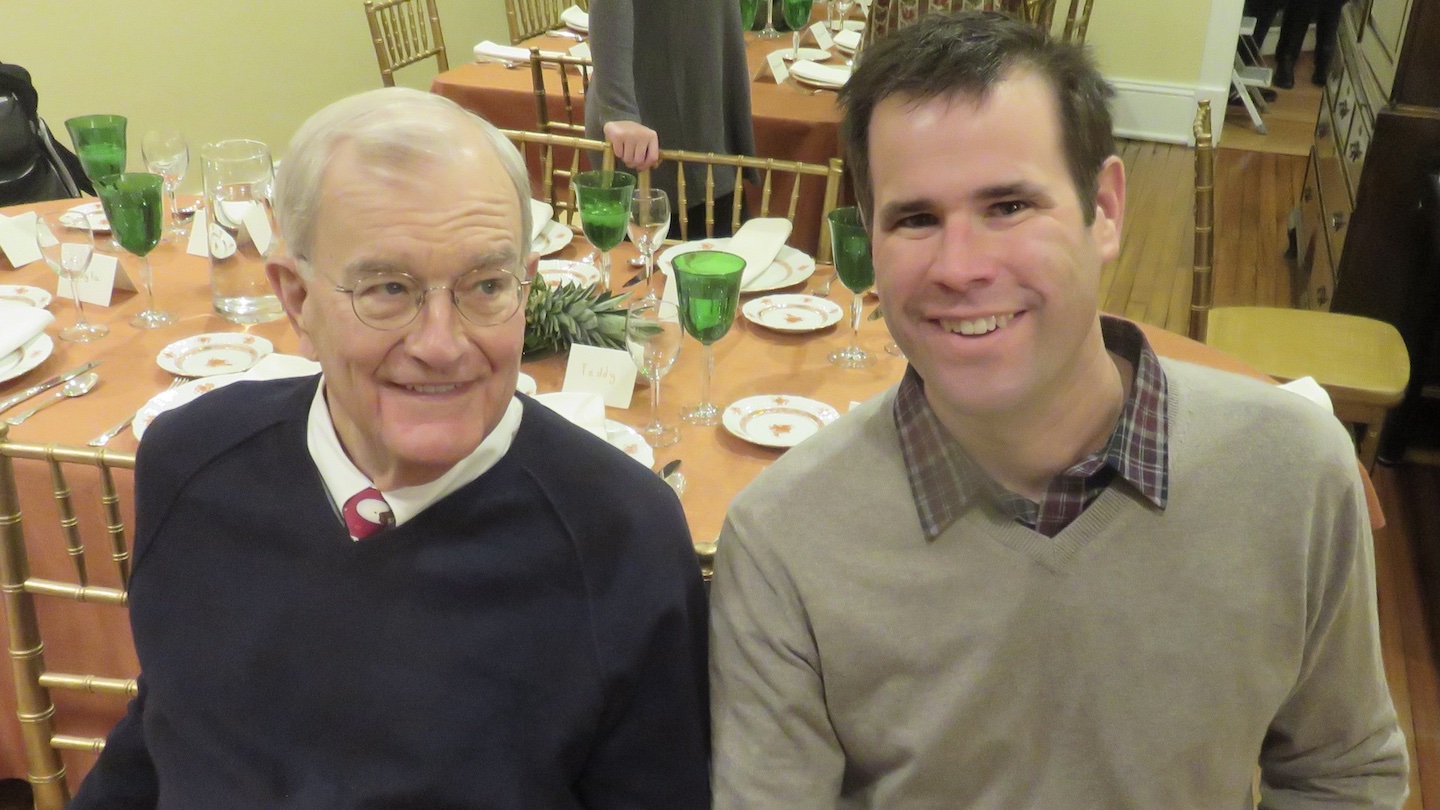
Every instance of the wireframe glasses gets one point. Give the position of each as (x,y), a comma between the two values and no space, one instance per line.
(391,300)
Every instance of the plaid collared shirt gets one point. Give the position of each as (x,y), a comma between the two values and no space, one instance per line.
(946,481)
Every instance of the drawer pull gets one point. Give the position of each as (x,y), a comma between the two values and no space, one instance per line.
(1307,194)
(1337,221)
(1343,108)
(1322,130)
(1322,295)
(1355,152)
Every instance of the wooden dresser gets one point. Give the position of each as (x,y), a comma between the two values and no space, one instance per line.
(1364,239)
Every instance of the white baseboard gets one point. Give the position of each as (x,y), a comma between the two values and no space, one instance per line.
(1152,111)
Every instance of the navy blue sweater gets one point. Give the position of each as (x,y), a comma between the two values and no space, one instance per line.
(536,639)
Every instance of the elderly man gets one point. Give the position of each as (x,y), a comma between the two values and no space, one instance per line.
(1047,570)
(399,583)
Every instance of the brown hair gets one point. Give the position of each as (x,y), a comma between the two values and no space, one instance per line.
(968,53)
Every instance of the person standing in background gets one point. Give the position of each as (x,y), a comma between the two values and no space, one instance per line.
(671,74)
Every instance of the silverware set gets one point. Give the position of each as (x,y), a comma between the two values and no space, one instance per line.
(76,382)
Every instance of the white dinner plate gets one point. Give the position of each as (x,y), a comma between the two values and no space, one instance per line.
(789,268)
(792,313)
(91,215)
(562,271)
(26,357)
(777,421)
(172,398)
(807,54)
(575,19)
(630,441)
(552,238)
(211,354)
(21,294)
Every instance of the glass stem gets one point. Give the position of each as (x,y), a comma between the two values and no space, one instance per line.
(605,267)
(705,371)
(148,282)
(655,403)
(795,52)
(855,310)
(79,307)
(174,207)
(649,256)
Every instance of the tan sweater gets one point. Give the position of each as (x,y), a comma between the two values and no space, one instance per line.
(1140,659)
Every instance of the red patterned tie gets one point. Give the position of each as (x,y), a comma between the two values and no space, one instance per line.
(366,513)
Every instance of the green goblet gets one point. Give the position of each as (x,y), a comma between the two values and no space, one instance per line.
(134,205)
(853,266)
(797,13)
(604,200)
(747,13)
(99,141)
(709,291)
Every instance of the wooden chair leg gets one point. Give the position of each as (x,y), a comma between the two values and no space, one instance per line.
(1369,444)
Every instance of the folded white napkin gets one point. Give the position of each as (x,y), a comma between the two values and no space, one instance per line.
(583,408)
(488,51)
(1311,390)
(575,18)
(822,75)
(19,324)
(758,242)
(581,50)
(274,366)
(848,40)
(540,215)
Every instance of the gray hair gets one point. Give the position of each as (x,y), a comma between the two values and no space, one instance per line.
(395,127)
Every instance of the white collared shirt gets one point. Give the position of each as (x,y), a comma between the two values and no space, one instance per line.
(343,479)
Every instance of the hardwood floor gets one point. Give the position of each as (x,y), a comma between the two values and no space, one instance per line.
(1150,282)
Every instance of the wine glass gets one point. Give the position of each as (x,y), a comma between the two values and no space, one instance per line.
(167,155)
(709,291)
(604,200)
(842,8)
(853,266)
(747,13)
(652,334)
(797,13)
(68,246)
(769,32)
(99,142)
(649,223)
(133,205)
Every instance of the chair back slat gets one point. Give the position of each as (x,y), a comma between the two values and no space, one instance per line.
(404,33)
(21,588)
(1202,282)
(572,94)
(1075,28)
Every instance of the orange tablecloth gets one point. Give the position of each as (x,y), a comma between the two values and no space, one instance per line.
(749,361)
(790,124)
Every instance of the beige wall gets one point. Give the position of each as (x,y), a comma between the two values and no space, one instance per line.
(213,70)
(257,68)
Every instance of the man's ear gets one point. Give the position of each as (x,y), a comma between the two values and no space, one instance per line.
(289,286)
(1109,208)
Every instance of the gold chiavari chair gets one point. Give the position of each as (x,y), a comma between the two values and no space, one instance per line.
(529,18)
(405,33)
(1361,363)
(554,156)
(69,467)
(887,16)
(574,73)
(778,181)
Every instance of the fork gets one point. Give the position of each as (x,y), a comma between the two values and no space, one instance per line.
(824,288)
(104,438)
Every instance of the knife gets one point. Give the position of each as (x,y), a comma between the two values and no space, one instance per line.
(40,388)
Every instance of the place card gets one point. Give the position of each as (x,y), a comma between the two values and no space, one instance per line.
(257,224)
(607,372)
(776,62)
(822,36)
(198,228)
(17,239)
(99,281)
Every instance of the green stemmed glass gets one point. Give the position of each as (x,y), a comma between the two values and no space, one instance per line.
(797,13)
(747,13)
(853,266)
(604,200)
(134,205)
(709,291)
(99,142)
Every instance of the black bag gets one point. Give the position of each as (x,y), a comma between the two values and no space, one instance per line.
(33,167)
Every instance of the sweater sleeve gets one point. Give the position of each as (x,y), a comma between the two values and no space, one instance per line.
(774,745)
(612,42)
(123,777)
(1335,742)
